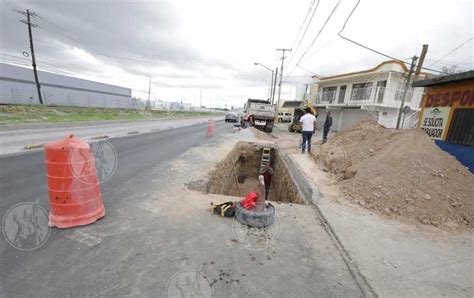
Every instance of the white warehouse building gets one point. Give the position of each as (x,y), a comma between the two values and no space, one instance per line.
(375,93)
(17,86)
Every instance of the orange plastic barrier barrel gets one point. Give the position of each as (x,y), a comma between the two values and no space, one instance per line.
(73,185)
(211,127)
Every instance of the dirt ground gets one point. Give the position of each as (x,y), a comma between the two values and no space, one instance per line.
(237,174)
(398,174)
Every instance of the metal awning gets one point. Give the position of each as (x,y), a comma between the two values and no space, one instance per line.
(445,79)
(292,104)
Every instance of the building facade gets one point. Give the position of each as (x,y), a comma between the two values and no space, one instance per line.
(17,86)
(447,114)
(375,93)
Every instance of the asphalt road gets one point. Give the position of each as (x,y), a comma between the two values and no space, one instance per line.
(157,235)
(22,179)
(14,138)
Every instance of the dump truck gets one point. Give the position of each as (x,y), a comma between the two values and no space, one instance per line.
(263,113)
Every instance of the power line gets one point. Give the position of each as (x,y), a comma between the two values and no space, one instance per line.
(304,21)
(98,51)
(304,33)
(315,38)
(319,33)
(373,50)
(453,50)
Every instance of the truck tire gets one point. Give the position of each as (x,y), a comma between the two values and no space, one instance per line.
(290,128)
(255,219)
(268,127)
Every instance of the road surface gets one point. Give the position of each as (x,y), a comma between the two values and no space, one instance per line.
(14,138)
(156,233)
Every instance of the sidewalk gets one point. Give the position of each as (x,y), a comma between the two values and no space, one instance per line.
(397,259)
(14,138)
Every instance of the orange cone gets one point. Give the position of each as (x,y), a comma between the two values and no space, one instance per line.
(73,185)
(211,127)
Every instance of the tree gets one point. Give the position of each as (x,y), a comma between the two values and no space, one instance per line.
(452,69)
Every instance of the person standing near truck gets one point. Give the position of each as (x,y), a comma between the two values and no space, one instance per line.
(308,127)
(327,126)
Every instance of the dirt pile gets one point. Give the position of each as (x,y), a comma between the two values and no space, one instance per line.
(400,174)
(262,135)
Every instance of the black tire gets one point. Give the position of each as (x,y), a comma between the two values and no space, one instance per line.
(290,128)
(255,219)
(268,127)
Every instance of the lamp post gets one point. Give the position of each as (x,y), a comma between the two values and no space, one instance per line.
(271,82)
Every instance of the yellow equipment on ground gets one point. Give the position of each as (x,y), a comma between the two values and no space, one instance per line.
(298,112)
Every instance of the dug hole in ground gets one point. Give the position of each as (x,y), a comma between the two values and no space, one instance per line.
(401,207)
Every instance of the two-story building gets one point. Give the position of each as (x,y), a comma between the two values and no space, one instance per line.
(375,92)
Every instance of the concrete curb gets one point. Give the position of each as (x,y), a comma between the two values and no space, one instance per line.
(312,196)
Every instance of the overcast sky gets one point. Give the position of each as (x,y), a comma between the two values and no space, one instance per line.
(208,46)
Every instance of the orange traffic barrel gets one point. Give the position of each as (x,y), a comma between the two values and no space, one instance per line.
(211,127)
(73,185)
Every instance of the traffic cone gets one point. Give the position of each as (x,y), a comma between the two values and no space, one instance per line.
(73,185)
(211,127)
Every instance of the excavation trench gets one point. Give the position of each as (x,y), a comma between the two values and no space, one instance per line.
(237,174)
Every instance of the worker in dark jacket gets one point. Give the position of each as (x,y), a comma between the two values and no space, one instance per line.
(327,126)
(267,176)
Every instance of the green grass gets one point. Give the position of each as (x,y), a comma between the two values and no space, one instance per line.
(15,114)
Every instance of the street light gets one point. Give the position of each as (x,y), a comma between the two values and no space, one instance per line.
(272,91)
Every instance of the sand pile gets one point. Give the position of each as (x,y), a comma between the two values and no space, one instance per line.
(401,174)
(262,135)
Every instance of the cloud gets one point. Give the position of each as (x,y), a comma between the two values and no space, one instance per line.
(187,46)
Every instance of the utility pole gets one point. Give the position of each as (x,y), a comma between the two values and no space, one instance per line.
(200,98)
(281,76)
(405,91)
(274,84)
(147,107)
(424,50)
(28,15)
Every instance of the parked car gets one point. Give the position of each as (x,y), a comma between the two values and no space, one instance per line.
(231,117)
(284,117)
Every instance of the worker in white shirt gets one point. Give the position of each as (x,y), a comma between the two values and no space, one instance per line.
(308,127)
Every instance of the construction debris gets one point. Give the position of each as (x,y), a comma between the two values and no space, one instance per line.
(400,174)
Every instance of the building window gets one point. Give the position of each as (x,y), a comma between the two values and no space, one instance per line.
(342,94)
(361,91)
(380,90)
(329,93)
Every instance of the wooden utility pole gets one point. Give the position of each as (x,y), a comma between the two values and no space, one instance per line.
(405,90)
(28,15)
(281,75)
(424,50)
